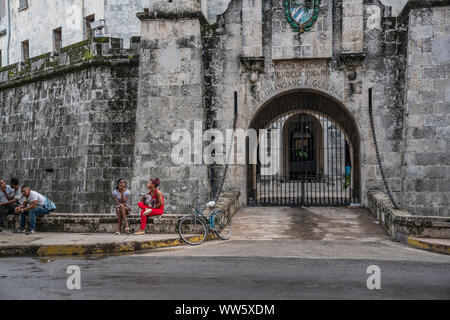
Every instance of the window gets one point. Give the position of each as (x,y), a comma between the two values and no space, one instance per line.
(23,4)
(87,25)
(57,39)
(25,50)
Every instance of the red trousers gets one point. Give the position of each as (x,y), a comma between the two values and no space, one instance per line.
(155,212)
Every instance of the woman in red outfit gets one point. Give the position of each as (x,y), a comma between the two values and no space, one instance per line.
(152,204)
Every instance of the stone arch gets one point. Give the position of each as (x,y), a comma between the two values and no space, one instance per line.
(315,103)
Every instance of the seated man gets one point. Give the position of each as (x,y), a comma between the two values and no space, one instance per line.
(5,200)
(12,199)
(33,204)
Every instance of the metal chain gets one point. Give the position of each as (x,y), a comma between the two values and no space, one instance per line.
(227,161)
(383,177)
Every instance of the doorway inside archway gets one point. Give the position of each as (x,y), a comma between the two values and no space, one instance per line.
(307,152)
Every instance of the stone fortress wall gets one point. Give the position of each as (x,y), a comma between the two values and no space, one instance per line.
(413,147)
(67,123)
(426,151)
(342,64)
(119,124)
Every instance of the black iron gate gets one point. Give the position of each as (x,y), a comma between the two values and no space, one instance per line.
(306,153)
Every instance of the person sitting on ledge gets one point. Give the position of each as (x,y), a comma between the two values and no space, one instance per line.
(5,198)
(121,196)
(12,199)
(152,204)
(33,204)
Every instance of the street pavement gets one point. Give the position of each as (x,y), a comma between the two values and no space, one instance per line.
(274,253)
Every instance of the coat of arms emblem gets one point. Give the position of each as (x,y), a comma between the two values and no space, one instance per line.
(301,14)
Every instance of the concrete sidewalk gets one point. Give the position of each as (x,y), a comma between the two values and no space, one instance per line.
(320,224)
(57,243)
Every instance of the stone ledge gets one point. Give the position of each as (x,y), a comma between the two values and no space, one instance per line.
(173,10)
(227,202)
(400,224)
(351,59)
(100,51)
(415,4)
(96,223)
(107,223)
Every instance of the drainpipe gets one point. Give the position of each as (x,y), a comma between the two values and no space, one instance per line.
(8,30)
(82,20)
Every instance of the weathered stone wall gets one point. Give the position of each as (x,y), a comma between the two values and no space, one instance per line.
(426,171)
(27,25)
(37,22)
(289,44)
(252,29)
(213,8)
(121,20)
(328,68)
(80,108)
(67,124)
(352,25)
(170,97)
(385,42)
(401,225)
(222,77)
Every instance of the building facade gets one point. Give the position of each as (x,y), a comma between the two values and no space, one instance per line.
(317,82)
(30,28)
(38,27)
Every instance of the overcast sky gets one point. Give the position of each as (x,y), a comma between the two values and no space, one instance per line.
(397,5)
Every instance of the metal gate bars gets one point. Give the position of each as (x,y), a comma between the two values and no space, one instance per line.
(307,153)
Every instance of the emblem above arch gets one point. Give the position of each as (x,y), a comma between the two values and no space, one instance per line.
(302,29)
(301,14)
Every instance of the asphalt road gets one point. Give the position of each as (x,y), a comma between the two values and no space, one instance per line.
(218,277)
(326,265)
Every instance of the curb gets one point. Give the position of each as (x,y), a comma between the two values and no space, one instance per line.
(86,249)
(419,243)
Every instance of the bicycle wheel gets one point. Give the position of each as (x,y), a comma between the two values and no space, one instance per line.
(192,229)
(222,225)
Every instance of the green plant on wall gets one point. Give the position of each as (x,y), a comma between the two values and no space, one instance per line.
(88,55)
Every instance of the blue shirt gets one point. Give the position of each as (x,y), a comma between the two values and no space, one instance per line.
(3,197)
(126,195)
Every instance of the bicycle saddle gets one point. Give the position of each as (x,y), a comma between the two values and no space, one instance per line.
(211,204)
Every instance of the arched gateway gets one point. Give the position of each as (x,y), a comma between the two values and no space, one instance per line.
(311,153)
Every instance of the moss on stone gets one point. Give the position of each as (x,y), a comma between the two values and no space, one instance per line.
(42,56)
(88,55)
(100,39)
(11,74)
(75,45)
(6,68)
(53,63)
(209,28)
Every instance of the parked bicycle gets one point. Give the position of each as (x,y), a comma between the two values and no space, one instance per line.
(195,227)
